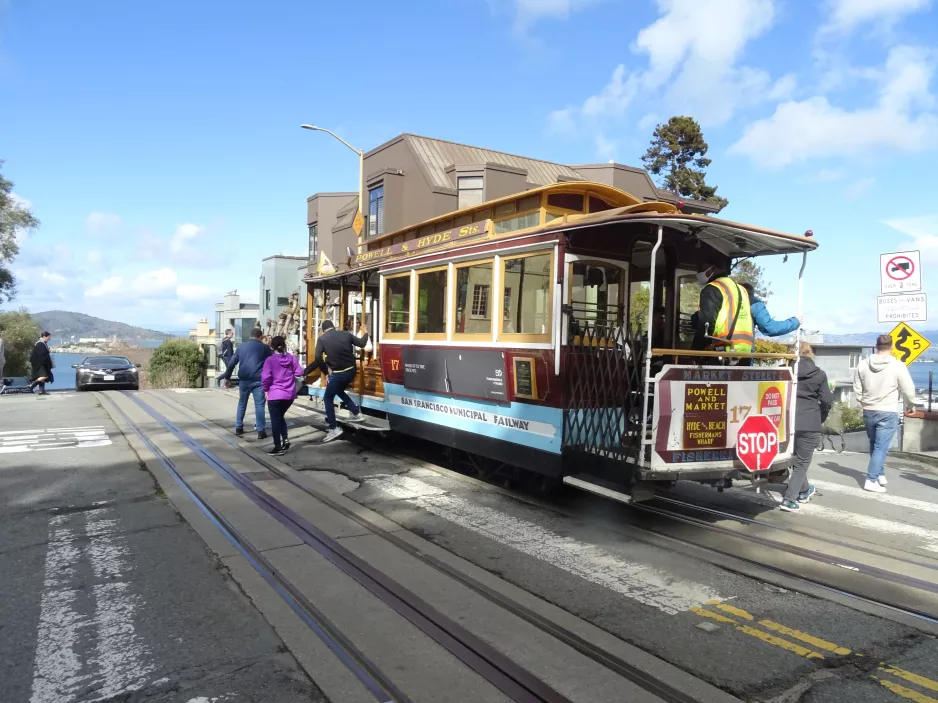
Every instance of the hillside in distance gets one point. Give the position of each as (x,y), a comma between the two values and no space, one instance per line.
(868,339)
(62,323)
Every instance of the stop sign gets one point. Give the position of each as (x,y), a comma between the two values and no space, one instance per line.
(757,442)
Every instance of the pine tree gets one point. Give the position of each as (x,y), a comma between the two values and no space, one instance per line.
(677,155)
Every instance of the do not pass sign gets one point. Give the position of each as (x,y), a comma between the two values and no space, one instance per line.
(757,442)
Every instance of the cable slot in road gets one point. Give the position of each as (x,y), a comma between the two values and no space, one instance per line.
(379,685)
(503,673)
(616,664)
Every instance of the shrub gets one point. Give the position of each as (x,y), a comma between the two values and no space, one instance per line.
(176,363)
(853,417)
(19,332)
(766,346)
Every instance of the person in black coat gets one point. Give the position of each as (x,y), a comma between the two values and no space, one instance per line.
(41,361)
(814,402)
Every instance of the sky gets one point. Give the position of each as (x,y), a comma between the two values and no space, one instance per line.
(159,143)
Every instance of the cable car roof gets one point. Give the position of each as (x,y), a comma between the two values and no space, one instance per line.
(732,239)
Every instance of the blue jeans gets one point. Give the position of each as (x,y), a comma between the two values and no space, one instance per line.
(335,386)
(880,428)
(254,389)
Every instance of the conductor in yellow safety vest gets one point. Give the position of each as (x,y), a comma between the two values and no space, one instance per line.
(723,314)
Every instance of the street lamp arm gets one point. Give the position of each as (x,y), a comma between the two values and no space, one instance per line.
(333,134)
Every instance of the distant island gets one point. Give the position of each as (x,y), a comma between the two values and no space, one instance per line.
(65,325)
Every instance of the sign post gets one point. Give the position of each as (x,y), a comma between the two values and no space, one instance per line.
(907,344)
(757,442)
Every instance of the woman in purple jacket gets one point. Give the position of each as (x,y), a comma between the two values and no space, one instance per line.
(279,382)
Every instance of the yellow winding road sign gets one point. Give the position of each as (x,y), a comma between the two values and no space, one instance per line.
(907,344)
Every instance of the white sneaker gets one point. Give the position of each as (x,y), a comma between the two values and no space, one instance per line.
(332,435)
(882,480)
(356,418)
(873,487)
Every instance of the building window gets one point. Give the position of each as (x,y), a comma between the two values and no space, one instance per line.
(282,301)
(473,299)
(313,241)
(397,305)
(469,189)
(267,299)
(854,360)
(526,282)
(480,301)
(431,302)
(376,211)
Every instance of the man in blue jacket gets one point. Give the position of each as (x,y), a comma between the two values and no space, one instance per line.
(249,358)
(763,320)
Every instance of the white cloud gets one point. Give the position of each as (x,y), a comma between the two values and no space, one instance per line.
(183,236)
(103,224)
(157,284)
(829,175)
(847,15)
(194,292)
(606,148)
(95,257)
(899,120)
(859,188)
(922,232)
(529,12)
(693,53)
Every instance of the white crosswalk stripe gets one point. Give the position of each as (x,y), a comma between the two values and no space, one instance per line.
(14,441)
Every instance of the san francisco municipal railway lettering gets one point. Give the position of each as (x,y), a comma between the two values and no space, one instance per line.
(467,413)
(704,415)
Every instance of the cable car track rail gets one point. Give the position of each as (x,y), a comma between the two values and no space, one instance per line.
(630,672)
(813,555)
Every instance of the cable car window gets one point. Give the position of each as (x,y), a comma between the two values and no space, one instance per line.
(532,219)
(596,292)
(526,282)
(397,305)
(598,204)
(431,302)
(567,201)
(474,303)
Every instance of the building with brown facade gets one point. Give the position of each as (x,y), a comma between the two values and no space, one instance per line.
(411,179)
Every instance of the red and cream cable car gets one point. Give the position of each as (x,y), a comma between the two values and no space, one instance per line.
(515,330)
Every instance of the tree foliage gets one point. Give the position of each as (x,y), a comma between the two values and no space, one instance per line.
(176,363)
(15,219)
(677,155)
(19,332)
(747,271)
(638,310)
(767,346)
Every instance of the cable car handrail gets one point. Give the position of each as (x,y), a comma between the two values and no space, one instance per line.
(721,354)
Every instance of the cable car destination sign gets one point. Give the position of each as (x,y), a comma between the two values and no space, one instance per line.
(418,244)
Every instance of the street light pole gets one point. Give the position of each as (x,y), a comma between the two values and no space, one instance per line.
(361,162)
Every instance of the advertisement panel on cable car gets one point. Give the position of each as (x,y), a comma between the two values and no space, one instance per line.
(699,410)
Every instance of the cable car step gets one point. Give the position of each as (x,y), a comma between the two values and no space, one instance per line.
(371,424)
(594,484)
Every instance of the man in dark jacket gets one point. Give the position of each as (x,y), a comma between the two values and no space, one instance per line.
(335,355)
(41,361)
(249,359)
(227,348)
(813,404)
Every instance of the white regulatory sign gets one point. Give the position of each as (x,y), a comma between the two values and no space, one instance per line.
(902,308)
(900,272)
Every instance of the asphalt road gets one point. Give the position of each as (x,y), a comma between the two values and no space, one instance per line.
(746,635)
(106,593)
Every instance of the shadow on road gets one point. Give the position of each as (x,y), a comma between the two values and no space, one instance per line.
(856,474)
(930,482)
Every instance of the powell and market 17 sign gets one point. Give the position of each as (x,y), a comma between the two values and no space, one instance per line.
(411,246)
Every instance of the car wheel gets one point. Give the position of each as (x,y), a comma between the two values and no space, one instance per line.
(80,388)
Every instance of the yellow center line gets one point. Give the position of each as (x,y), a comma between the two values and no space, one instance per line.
(908,693)
(759,634)
(909,676)
(735,611)
(815,642)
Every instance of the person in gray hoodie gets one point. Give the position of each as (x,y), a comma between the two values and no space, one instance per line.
(877,383)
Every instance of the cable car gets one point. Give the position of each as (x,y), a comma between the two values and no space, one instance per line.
(517,331)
